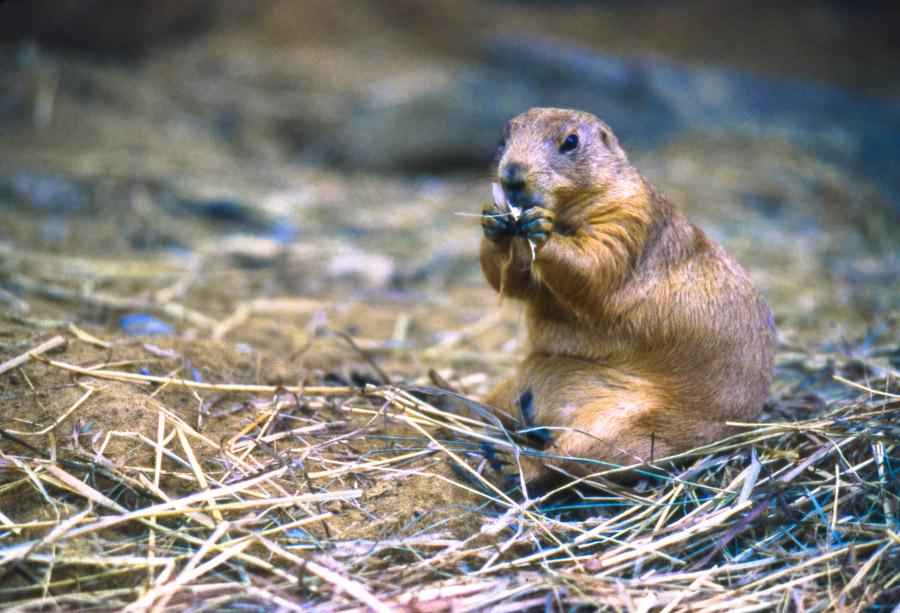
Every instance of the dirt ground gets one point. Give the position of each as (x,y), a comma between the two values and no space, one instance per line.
(169,194)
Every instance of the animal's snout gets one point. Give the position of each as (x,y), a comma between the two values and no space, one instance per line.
(512,177)
(516,188)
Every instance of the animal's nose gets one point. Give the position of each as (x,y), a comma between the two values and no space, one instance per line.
(512,178)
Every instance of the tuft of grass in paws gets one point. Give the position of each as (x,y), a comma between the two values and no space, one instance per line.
(514,211)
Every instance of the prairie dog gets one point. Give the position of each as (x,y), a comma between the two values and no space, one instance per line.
(644,336)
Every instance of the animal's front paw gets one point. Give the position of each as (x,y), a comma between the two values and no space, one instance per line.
(537,224)
(497,225)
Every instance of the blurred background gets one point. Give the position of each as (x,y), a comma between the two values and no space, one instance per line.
(211,153)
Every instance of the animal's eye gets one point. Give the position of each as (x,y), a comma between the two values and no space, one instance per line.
(569,144)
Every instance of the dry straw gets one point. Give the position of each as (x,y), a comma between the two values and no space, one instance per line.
(800,513)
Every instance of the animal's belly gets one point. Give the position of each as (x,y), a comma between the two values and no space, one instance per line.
(606,346)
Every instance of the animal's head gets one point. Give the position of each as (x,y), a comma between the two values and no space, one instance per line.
(557,158)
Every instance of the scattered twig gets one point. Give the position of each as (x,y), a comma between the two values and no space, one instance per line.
(19,360)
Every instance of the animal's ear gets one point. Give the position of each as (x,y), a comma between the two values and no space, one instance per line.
(609,139)
(606,138)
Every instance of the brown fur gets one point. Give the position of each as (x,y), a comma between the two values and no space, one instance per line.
(645,337)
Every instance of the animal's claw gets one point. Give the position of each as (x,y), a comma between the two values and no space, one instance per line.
(537,224)
(497,225)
